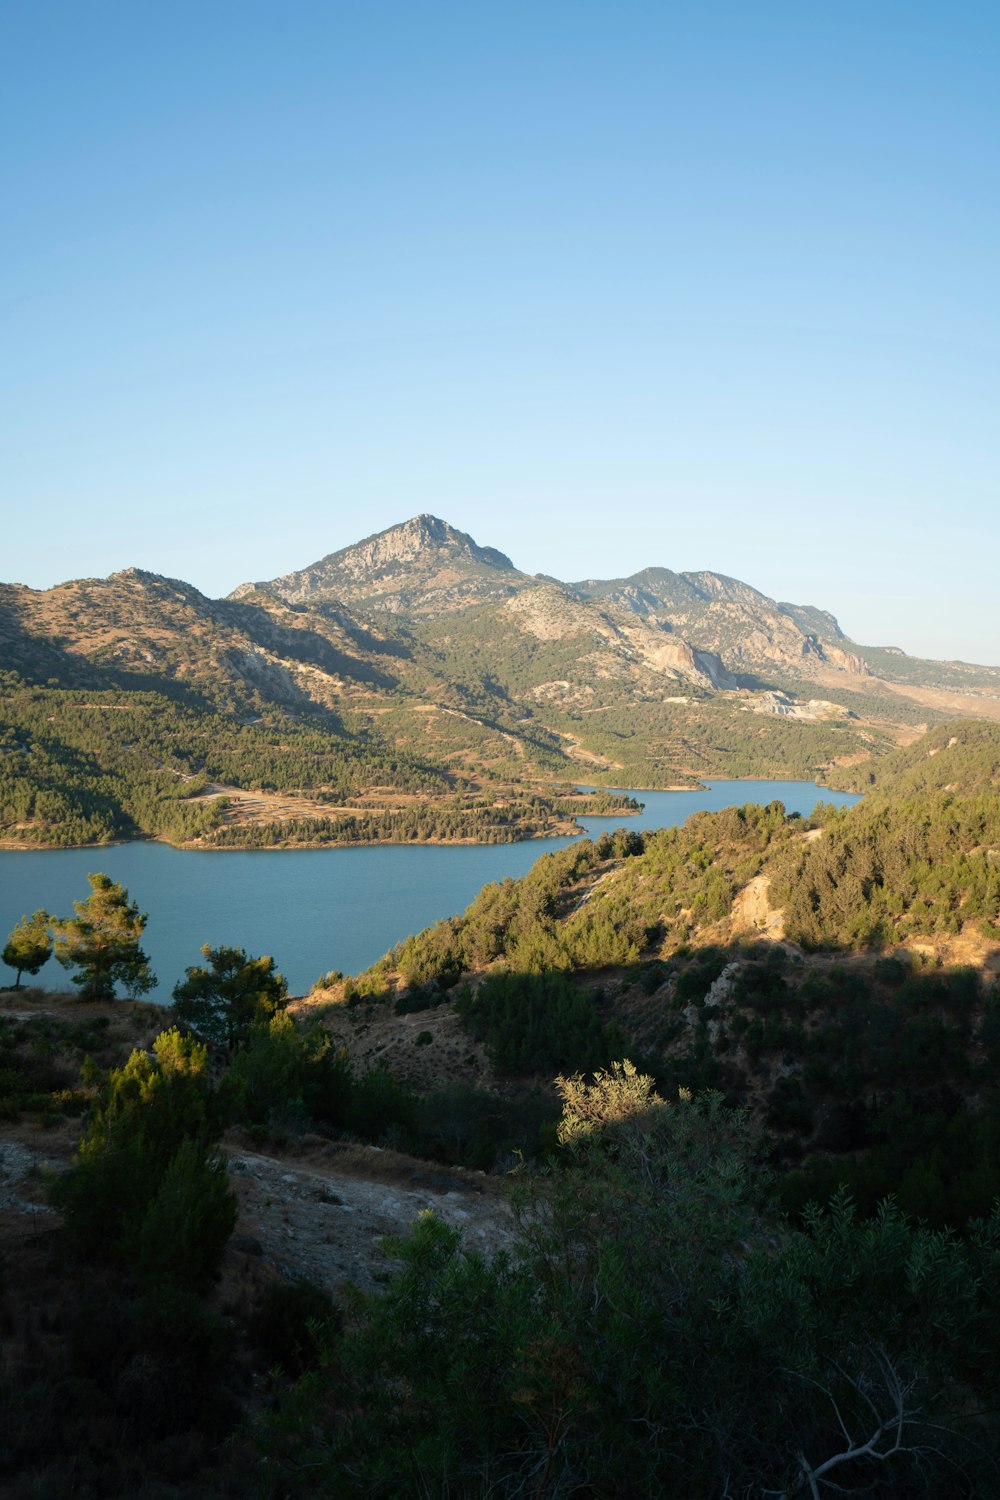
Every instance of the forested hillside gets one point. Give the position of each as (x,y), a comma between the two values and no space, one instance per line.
(741,1079)
(838,976)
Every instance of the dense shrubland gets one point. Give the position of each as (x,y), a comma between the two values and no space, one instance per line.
(873,1062)
(659,1332)
(785,1278)
(922,854)
(659,887)
(920,857)
(657,1327)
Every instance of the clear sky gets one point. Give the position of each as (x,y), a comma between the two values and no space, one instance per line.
(606,283)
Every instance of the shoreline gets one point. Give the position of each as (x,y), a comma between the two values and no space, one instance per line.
(702,785)
(563,830)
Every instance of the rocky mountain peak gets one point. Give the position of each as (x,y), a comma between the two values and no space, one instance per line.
(409,542)
(423,564)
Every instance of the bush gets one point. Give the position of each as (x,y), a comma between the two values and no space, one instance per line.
(293,1322)
(472,1127)
(142,1190)
(660,1332)
(377,1103)
(265,1077)
(184,1231)
(537,1023)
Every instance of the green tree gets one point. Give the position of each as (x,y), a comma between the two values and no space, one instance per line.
(184,1231)
(265,1077)
(102,942)
(144,1112)
(232,993)
(29,945)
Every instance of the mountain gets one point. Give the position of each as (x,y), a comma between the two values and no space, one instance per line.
(700,627)
(738,623)
(426,570)
(423,566)
(418,666)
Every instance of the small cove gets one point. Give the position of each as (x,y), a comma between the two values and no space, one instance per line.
(318,909)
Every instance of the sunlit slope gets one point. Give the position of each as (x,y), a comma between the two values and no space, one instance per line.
(420,665)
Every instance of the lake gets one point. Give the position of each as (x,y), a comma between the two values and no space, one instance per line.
(319,909)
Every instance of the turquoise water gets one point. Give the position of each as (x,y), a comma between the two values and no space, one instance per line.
(666,809)
(319,909)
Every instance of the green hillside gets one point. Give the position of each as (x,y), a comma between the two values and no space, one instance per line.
(740,1079)
(836,976)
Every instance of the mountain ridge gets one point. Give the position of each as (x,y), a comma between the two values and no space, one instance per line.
(427,568)
(419,664)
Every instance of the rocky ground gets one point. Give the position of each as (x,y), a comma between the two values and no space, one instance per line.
(320,1209)
(308,1207)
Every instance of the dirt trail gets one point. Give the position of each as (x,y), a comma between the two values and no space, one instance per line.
(576,751)
(457,713)
(316,1210)
(20,1185)
(752,910)
(319,1212)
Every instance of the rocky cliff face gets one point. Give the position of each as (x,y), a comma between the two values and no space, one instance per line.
(621,647)
(703,625)
(729,619)
(423,566)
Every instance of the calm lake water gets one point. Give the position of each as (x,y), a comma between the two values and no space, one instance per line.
(319,909)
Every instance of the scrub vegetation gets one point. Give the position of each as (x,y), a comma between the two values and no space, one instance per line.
(742,1078)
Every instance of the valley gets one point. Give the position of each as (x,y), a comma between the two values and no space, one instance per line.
(417,687)
(669,1150)
(725,1080)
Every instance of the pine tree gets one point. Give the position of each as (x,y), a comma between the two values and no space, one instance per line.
(102,942)
(232,993)
(29,945)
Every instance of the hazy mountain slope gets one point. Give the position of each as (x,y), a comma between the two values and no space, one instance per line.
(813,621)
(796,646)
(894,665)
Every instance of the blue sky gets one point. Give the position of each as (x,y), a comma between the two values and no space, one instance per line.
(606,284)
